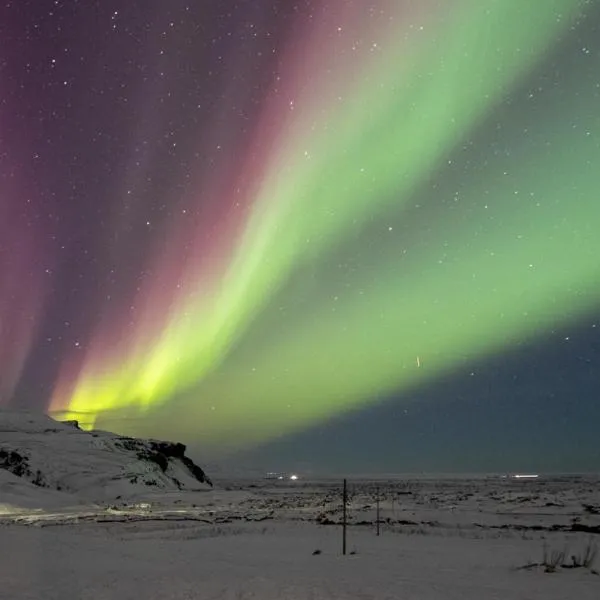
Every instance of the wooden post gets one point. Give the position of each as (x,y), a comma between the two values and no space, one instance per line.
(344,517)
(377,510)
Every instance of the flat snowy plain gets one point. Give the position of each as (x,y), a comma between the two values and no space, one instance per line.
(445,538)
(450,539)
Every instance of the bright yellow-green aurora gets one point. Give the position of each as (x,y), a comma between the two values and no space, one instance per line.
(373,233)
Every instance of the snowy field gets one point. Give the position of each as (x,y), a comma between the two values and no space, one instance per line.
(440,539)
(93,515)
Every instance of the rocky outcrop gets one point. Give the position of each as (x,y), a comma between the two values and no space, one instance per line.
(160,453)
(18,465)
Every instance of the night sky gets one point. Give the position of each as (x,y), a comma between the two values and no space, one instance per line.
(328,235)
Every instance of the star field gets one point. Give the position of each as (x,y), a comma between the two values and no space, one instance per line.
(264,225)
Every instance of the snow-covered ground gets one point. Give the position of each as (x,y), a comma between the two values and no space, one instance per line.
(468,538)
(186,560)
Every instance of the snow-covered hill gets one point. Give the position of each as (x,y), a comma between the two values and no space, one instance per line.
(44,462)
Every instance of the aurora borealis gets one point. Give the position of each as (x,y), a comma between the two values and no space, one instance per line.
(237,221)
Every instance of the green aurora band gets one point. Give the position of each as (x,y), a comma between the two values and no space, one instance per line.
(295,336)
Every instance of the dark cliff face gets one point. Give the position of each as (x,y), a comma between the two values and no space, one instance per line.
(196,471)
(159,452)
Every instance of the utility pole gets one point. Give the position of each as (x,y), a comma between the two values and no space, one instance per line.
(377,510)
(344,517)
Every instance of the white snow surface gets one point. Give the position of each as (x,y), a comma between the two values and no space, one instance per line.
(452,538)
